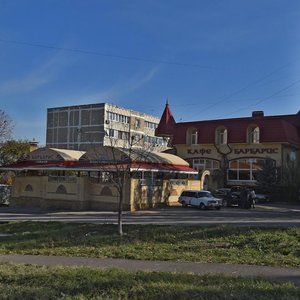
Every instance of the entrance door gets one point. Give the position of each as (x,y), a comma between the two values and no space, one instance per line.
(206,182)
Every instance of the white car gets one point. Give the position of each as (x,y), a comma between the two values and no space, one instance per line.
(199,198)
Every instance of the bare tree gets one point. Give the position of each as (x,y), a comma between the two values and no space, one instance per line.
(291,179)
(120,160)
(6,126)
(224,150)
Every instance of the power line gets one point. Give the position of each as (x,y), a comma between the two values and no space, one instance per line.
(224,98)
(262,100)
(151,107)
(89,52)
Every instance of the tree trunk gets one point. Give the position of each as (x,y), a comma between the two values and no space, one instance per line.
(120,212)
(225,168)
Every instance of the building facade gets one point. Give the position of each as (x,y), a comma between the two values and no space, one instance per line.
(69,179)
(82,127)
(233,151)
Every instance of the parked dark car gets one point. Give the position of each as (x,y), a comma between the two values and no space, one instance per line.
(261,197)
(236,191)
(229,197)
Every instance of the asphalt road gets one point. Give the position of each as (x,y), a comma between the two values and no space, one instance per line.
(270,215)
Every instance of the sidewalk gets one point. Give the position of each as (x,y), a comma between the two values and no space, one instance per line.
(266,272)
(283,207)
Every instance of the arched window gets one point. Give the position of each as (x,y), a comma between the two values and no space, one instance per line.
(106,191)
(28,188)
(61,189)
(253,134)
(221,136)
(246,169)
(192,136)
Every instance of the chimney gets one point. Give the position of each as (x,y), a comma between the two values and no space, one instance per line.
(257,114)
(33,145)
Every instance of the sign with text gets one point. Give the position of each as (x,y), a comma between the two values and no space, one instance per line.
(199,151)
(256,151)
(203,151)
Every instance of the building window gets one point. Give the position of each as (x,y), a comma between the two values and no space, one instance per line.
(245,169)
(192,136)
(110,132)
(137,123)
(137,138)
(106,191)
(200,164)
(125,135)
(150,125)
(28,188)
(110,116)
(61,189)
(117,134)
(155,140)
(113,133)
(221,136)
(253,134)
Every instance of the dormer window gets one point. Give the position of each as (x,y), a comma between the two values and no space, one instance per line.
(253,134)
(192,136)
(221,136)
(137,123)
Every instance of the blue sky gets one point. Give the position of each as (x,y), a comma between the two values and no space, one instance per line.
(210,58)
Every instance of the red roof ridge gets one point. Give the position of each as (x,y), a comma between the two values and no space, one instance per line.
(166,124)
(244,118)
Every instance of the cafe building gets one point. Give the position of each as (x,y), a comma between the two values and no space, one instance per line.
(54,178)
(230,152)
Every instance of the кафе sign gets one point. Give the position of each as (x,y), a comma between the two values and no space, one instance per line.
(203,151)
(199,151)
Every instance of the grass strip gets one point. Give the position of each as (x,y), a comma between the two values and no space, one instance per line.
(24,282)
(257,246)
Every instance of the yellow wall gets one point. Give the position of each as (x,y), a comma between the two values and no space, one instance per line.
(235,151)
(37,183)
(84,193)
(97,198)
(278,152)
(143,196)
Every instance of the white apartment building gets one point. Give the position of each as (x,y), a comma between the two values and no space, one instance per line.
(81,127)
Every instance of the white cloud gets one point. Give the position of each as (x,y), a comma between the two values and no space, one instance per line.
(35,78)
(118,89)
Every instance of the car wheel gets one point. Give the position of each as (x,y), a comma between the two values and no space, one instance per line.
(183,204)
(202,206)
(218,208)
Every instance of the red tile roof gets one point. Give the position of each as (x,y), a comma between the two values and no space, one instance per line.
(87,166)
(282,128)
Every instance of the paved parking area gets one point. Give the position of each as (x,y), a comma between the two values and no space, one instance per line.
(282,215)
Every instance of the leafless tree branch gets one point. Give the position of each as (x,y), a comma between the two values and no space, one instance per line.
(6,126)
